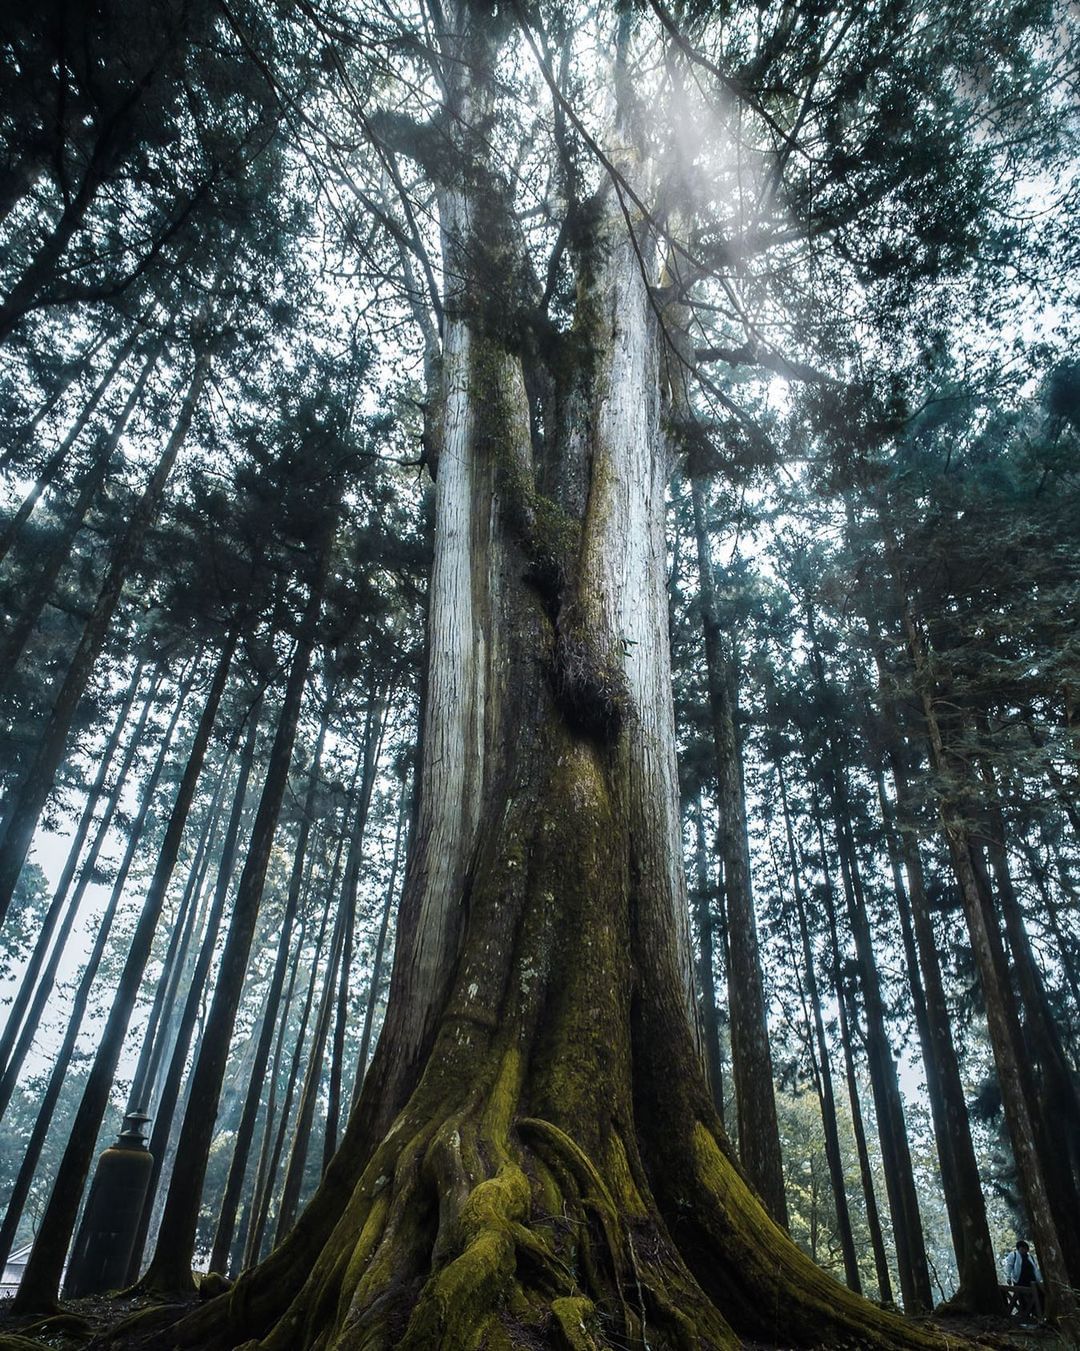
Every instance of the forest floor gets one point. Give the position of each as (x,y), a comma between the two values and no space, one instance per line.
(83,1321)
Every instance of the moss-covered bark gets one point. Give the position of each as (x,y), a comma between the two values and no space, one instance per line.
(535,1159)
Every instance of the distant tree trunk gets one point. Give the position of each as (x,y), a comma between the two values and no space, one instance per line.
(72,371)
(41,1278)
(1013,1072)
(1059,1100)
(380,950)
(823,1069)
(82,995)
(56,905)
(107,148)
(165,1107)
(232,1259)
(309,1091)
(751,1059)
(892,1129)
(170,1267)
(26,802)
(978,1290)
(183,922)
(271,1157)
(1065,941)
(847,1020)
(703,917)
(32,1023)
(223,1235)
(373,734)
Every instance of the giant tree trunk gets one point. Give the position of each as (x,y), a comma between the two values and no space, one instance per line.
(535,1153)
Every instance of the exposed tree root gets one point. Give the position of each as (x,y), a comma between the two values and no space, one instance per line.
(557,1177)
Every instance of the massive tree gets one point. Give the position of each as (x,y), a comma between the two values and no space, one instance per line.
(583,212)
(535,1154)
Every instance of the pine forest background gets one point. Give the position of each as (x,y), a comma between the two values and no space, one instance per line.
(219,249)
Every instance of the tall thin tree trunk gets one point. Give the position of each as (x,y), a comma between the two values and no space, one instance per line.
(78,1010)
(823,1068)
(49,919)
(978,1289)
(703,916)
(170,1268)
(751,1058)
(71,373)
(223,1234)
(847,1020)
(380,949)
(1006,1040)
(39,589)
(271,1158)
(309,1091)
(20,820)
(56,461)
(241,1228)
(172,967)
(911,1261)
(373,735)
(41,1278)
(32,1023)
(164,1107)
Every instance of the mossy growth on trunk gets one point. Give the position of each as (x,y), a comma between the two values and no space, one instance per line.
(535,1160)
(558,1176)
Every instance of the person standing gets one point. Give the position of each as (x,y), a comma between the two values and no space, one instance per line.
(1022,1270)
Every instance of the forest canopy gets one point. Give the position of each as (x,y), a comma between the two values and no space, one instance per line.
(539,673)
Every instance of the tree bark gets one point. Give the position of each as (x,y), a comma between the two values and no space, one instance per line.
(540,1056)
